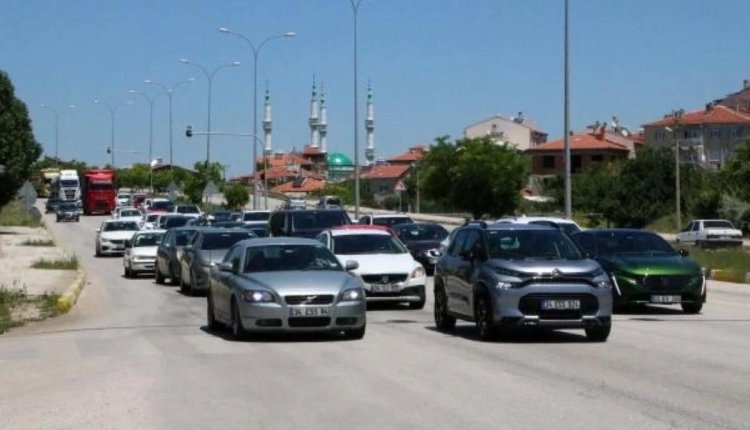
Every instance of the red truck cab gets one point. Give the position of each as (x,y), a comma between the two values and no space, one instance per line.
(98,191)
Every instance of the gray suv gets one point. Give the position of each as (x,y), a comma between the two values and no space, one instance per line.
(514,275)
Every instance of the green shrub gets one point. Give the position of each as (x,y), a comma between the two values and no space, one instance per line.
(65,263)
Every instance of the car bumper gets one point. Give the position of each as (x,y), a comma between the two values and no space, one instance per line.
(629,292)
(523,306)
(274,317)
(111,248)
(414,293)
(142,265)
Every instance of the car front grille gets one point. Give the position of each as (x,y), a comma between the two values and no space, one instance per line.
(117,241)
(324,299)
(385,278)
(531,304)
(666,282)
(309,322)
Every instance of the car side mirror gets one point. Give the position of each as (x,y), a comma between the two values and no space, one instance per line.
(683,253)
(351,265)
(98,230)
(225,267)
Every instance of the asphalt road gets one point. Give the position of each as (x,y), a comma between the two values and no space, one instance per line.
(136,355)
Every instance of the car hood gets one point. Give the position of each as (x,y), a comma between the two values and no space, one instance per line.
(117,235)
(535,267)
(644,264)
(422,245)
(380,263)
(143,251)
(302,281)
(212,255)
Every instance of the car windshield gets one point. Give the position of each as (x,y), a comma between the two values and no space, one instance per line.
(67,207)
(419,232)
(188,209)
(69,183)
(152,217)
(318,220)
(217,240)
(392,220)
(183,236)
(349,244)
(632,242)
(276,258)
(130,213)
(175,222)
(162,206)
(531,245)
(256,216)
(222,215)
(123,196)
(121,226)
(147,239)
(718,224)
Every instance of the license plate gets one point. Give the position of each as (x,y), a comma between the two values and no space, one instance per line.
(666,299)
(560,305)
(309,311)
(384,288)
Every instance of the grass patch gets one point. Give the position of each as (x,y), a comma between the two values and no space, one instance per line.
(732,262)
(18,307)
(15,215)
(665,224)
(65,263)
(38,242)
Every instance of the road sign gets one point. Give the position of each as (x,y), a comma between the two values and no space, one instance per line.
(27,194)
(173,188)
(210,189)
(400,187)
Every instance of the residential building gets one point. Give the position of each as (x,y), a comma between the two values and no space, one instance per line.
(739,100)
(380,181)
(414,154)
(586,149)
(517,131)
(300,185)
(707,136)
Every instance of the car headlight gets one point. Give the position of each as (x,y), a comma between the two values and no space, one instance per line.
(601,280)
(255,296)
(418,272)
(433,252)
(352,295)
(505,285)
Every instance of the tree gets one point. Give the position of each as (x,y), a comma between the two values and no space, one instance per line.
(593,190)
(195,184)
(475,175)
(236,195)
(18,147)
(735,174)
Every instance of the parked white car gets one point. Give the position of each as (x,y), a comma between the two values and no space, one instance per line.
(255,217)
(710,232)
(387,269)
(124,199)
(140,253)
(386,220)
(150,220)
(567,225)
(112,235)
(188,210)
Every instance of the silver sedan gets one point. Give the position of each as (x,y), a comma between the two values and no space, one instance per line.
(283,285)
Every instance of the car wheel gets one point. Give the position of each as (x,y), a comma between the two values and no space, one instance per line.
(57,219)
(598,333)
(443,320)
(698,244)
(692,308)
(174,278)
(127,273)
(210,317)
(192,291)
(356,333)
(238,330)
(98,251)
(483,317)
(183,285)
(159,277)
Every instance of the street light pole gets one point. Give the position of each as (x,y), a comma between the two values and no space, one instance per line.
(566,125)
(112,111)
(256,53)
(210,78)
(150,101)
(169,91)
(676,116)
(355,8)
(57,128)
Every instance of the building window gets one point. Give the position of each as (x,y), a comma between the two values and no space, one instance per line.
(384,188)
(735,132)
(548,161)
(690,134)
(715,133)
(575,165)
(659,134)
(598,158)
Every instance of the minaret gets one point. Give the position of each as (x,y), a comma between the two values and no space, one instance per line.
(267,126)
(314,118)
(323,123)
(370,127)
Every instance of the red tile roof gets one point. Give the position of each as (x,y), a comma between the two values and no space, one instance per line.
(285,160)
(386,172)
(415,153)
(309,185)
(586,141)
(717,115)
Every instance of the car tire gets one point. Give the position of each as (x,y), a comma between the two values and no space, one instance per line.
(191,290)
(173,278)
(98,251)
(127,273)
(238,330)
(692,308)
(211,321)
(698,244)
(598,333)
(443,321)
(421,302)
(183,285)
(355,333)
(159,277)
(483,317)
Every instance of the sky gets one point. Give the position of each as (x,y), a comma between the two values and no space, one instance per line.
(435,67)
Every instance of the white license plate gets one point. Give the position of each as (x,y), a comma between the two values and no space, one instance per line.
(309,311)
(385,288)
(560,305)
(666,299)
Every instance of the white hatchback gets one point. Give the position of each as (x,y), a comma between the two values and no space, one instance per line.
(387,269)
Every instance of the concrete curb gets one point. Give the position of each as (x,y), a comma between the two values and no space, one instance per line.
(70,296)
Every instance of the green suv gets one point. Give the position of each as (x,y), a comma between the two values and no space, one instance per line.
(645,269)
